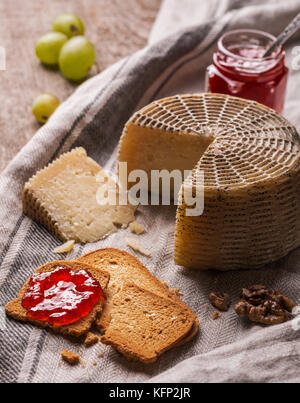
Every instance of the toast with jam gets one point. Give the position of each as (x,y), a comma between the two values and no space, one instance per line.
(64,296)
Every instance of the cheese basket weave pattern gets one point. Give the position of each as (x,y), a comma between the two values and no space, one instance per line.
(250,157)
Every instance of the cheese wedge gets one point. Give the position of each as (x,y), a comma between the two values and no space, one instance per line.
(64,197)
(250,158)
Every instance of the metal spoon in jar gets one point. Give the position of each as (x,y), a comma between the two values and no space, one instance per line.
(284,36)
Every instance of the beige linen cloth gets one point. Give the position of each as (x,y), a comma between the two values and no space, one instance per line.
(226,350)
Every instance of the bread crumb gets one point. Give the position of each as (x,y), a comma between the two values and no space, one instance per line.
(176,291)
(215,315)
(136,228)
(206,306)
(91,339)
(136,246)
(65,248)
(100,355)
(95,363)
(70,358)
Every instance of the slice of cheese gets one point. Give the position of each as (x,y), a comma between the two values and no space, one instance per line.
(250,158)
(64,197)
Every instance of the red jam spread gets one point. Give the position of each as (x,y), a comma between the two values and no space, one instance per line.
(239,69)
(62,296)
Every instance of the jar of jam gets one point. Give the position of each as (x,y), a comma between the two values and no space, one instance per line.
(239,68)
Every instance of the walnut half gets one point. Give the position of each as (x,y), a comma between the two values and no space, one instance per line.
(265,306)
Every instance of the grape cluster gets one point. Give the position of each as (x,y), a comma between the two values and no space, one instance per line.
(66,47)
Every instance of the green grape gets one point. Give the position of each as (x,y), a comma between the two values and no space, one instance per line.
(68,24)
(76,58)
(43,107)
(48,47)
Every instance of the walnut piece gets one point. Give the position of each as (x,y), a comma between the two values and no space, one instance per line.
(220,300)
(265,306)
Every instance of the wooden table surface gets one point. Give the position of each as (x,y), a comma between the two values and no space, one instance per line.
(117,28)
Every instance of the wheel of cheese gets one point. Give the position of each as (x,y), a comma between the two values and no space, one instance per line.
(250,158)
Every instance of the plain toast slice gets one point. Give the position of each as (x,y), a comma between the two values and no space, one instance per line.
(124,269)
(77,329)
(144,325)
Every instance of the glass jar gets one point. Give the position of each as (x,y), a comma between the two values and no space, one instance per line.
(239,68)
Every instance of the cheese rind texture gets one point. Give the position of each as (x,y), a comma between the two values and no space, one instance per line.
(250,158)
(63,198)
